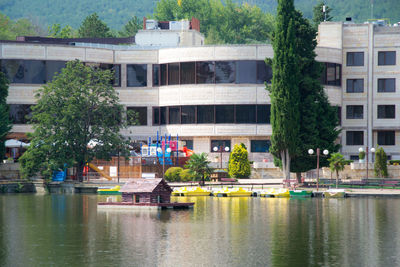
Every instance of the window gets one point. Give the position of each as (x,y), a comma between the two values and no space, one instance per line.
(20,114)
(156,116)
(24,71)
(387,85)
(386,111)
(163,74)
(332,74)
(354,112)
(386,58)
(245,114)
(174,115)
(53,68)
(354,138)
(173,73)
(221,145)
(136,115)
(156,75)
(116,69)
(264,72)
(263,114)
(246,71)
(205,114)
(205,72)
(339,114)
(224,114)
(260,145)
(163,115)
(188,114)
(355,86)
(188,144)
(225,71)
(355,58)
(386,138)
(354,157)
(136,75)
(188,73)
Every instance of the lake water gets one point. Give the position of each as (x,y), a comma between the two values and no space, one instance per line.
(68,230)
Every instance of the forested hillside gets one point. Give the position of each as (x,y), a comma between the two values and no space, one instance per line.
(116,13)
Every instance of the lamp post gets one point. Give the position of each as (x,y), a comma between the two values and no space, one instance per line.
(215,149)
(367,152)
(311,152)
(163,150)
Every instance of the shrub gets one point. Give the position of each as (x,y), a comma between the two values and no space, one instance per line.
(239,165)
(172,174)
(186,175)
(380,167)
(361,155)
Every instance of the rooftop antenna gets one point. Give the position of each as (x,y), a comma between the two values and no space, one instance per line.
(324,10)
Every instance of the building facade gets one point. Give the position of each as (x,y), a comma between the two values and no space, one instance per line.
(214,96)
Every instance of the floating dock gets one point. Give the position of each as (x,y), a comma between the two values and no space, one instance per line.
(129,205)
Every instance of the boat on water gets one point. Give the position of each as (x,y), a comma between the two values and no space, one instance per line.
(273,192)
(334,193)
(233,192)
(300,193)
(110,191)
(191,192)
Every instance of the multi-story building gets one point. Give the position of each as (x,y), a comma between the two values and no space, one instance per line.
(214,96)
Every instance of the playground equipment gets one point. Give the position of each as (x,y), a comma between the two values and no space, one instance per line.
(102,173)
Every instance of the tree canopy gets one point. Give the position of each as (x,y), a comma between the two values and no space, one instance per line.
(131,27)
(93,27)
(78,106)
(319,16)
(239,165)
(198,164)
(5,124)
(9,29)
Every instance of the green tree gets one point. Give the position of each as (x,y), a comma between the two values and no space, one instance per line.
(93,27)
(198,165)
(336,164)
(239,165)
(380,166)
(284,92)
(79,105)
(5,124)
(131,27)
(319,16)
(173,174)
(56,31)
(9,29)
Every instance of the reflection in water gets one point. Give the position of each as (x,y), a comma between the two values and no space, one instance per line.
(64,230)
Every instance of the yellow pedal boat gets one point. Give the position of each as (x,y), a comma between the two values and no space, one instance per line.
(272,192)
(239,192)
(109,191)
(191,192)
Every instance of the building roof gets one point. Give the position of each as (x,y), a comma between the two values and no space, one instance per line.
(72,41)
(143,185)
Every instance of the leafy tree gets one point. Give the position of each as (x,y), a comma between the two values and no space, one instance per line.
(336,164)
(239,165)
(5,124)
(173,174)
(319,16)
(284,92)
(93,27)
(198,165)
(57,32)
(79,105)
(131,27)
(186,175)
(9,29)
(380,166)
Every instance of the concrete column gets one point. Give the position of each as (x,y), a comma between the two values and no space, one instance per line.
(370,89)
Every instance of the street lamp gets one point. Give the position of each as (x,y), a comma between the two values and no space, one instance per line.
(163,150)
(325,152)
(367,161)
(220,150)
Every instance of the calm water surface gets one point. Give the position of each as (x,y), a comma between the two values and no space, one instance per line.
(68,230)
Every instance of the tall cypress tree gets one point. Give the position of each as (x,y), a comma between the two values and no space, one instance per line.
(284,91)
(5,124)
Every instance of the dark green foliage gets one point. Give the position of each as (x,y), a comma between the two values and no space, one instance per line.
(79,105)
(9,29)
(394,162)
(172,174)
(380,167)
(319,16)
(336,164)
(198,165)
(131,27)
(361,155)
(239,165)
(57,32)
(93,27)
(5,124)
(186,175)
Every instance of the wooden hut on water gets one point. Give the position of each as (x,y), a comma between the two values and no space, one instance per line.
(146,191)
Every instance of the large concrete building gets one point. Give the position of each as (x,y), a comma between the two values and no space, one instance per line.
(214,96)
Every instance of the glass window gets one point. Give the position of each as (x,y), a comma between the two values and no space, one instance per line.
(188,73)
(354,138)
(173,73)
(354,157)
(156,74)
(355,58)
(188,144)
(354,112)
(221,145)
(339,114)
(20,114)
(225,71)
(174,115)
(386,58)
(387,85)
(245,114)
(156,116)
(386,138)
(264,72)
(260,146)
(246,71)
(136,115)
(386,111)
(14,70)
(163,74)
(224,114)
(263,114)
(188,114)
(331,74)
(163,115)
(205,72)
(136,75)
(116,69)
(355,86)
(205,114)
(35,72)
(53,68)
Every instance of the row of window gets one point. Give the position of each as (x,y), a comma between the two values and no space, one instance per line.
(256,146)
(387,85)
(356,138)
(385,58)
(384,112)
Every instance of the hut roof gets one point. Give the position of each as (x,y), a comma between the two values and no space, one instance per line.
(142,185)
